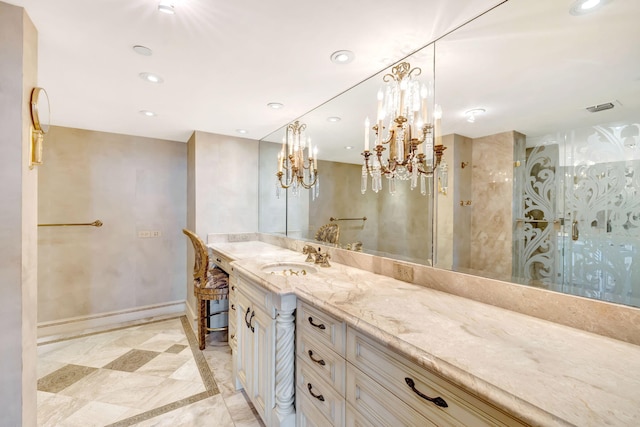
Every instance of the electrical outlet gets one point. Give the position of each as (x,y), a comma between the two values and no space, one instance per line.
(156,233)
(403,272)
(144,234)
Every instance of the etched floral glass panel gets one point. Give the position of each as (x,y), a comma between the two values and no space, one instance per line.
(578,220)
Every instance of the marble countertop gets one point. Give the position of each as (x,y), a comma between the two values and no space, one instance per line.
(545,373)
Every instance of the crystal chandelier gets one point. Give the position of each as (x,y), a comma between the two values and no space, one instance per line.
(402,104)
(294,171)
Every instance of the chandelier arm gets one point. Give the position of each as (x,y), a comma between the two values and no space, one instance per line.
(308,186)
(384,168)
(416,70)
(392,133)
(288,184)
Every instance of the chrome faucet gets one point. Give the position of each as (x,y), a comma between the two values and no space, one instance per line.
(316,256)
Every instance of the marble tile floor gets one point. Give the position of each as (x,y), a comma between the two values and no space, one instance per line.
(149,374)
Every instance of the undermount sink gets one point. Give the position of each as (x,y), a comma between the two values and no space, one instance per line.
(289,269)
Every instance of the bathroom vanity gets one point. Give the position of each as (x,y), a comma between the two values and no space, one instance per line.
(366,349)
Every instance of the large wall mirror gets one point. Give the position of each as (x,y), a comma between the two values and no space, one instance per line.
(541,119)
(396,225)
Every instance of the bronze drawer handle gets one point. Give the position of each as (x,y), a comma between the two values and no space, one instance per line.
(233,306)
(318,361)
(437,400)
(319,326)
(233,288)
(253,314)
(317,396)
(246,322)
(218,260)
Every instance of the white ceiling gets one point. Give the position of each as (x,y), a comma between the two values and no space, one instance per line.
(531,65)
(222,61)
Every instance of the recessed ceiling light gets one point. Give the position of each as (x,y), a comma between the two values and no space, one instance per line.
(275,105)
(342,57)
(147,113)
(333,119)
(471,114)
(142,50)
(151,78)
(166,7)
(580,7)
(348,147)
(242,131)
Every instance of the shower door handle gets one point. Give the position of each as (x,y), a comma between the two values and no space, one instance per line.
(575,233)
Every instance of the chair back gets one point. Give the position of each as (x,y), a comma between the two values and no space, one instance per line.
(328,233)
(201,263)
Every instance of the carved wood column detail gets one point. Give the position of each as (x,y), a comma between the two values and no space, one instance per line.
(285,368)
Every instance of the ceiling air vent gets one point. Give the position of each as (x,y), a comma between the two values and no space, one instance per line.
(600,107)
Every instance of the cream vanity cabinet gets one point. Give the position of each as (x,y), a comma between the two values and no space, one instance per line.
(264,355)
(320,368)
(223,262)
(385,388)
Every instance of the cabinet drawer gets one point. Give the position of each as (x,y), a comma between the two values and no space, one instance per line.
(375,406)
(328,401)
(220,260)
(394,372)
(321,328)
(353,418)
(307,415)
(326,363)
(259,297)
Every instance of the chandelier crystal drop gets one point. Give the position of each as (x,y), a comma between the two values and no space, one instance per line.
(411,155)
(297,162)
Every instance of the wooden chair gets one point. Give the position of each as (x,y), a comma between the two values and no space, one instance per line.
(210,283)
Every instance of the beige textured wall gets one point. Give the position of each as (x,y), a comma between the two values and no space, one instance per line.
(453,224)
(18,219)
(404,223)
(226,184)
(273,215)
(131,184)
(340,197)
(397,224)
(222,190)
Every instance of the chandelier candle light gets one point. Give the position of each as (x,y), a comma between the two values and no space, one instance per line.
(402,104)
(293,170)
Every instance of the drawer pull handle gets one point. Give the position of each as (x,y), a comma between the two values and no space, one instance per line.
(233,288)
(317,396)
(233,306)
(218,259)
(253,314)
(437,400)
(319,326)
(318,361)
(246,322)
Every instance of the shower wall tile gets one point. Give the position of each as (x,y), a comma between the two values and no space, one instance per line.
(492,188)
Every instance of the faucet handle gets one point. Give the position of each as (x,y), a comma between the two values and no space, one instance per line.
(309,251)
(324,260)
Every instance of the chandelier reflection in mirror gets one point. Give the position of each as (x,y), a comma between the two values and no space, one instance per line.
(402,104)
(294,170)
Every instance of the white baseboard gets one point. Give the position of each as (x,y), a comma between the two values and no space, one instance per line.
(96,322)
